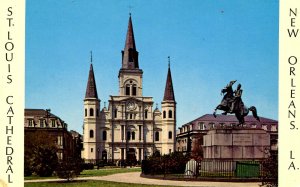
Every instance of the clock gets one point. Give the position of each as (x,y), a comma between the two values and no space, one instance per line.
(130,105)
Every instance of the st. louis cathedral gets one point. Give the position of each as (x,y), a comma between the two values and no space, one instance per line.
(130,127)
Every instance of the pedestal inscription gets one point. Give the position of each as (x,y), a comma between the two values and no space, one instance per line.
(242,139)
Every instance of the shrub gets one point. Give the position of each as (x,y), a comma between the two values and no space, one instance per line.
(87,166)
(270,170)
(69,169)
(173,163)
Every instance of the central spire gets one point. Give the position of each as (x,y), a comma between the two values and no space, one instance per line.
(129,54)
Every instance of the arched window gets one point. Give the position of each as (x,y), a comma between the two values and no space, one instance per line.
(91,134)
(146,114)
(156,136)
(170,113)
(128,135)
(104,135)
(85,112)
(127,89)
(133,135)
(164,114)
(170,134)
(134,90)
(91,112)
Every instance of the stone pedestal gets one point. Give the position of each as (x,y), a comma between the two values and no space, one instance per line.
(236,144)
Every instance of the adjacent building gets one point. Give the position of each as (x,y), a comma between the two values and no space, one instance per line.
(192,132)
(40,120)
(130,127)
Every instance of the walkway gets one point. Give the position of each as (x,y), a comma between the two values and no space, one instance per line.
(134,177)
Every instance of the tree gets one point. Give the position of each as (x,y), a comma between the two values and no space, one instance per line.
(270,170)
(40,153)
(197,150)
(69,169)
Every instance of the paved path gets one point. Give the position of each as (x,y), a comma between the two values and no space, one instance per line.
(134,177)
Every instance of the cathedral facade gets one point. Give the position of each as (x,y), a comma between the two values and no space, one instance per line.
(130,127)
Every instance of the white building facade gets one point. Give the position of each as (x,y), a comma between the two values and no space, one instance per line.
(130,127)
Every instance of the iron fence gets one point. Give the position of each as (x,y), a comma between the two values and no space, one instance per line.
(230,169)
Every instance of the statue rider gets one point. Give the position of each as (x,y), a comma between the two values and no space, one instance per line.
(228,97)
(237,103)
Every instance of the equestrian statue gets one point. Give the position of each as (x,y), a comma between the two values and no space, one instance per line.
(232,103)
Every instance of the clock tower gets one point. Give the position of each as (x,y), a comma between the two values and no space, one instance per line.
(129,128)
(130,76)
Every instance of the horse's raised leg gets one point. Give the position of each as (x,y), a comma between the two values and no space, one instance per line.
(254,112)
(215,111)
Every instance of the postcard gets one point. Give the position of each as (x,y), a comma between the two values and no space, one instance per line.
(197,93)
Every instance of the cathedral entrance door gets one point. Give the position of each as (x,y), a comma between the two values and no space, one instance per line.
(104,156)
(131,158)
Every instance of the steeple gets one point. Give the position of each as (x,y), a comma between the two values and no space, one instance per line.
(129,54)
(91,90)
(169,92)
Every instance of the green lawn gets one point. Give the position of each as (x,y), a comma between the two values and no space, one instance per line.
(86,184)
(103,172)
(94,172)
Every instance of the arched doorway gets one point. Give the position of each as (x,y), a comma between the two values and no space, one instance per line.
(131,158)
(104,156)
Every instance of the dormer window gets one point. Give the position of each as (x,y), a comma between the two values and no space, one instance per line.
(42,123)
(201,126)
(30,122)
(53,122)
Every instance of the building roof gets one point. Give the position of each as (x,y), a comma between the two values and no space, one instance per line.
(230,119)
(91,89)
(169,92)
(39,113)
(130,54)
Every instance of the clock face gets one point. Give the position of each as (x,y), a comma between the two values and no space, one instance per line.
(131,105)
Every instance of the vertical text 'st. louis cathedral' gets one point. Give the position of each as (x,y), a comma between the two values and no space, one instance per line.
(129,128)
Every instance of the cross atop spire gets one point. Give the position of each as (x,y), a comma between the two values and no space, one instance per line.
(168,61)
(130,8)
(91,57)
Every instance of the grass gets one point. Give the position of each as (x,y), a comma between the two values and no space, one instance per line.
(86,183)
(103,172)
(91,173)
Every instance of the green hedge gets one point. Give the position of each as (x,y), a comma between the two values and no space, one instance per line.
(173,163)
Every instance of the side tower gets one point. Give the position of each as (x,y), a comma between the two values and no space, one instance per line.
(91,119)
(168,106)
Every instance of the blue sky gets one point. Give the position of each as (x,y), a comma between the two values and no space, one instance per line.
(209,42)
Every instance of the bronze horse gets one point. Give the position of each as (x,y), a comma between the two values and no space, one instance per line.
(240,110)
